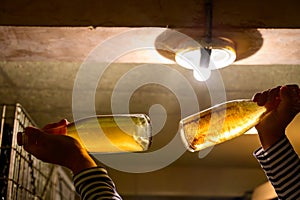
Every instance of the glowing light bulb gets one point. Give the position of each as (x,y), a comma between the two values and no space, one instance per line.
(201,74)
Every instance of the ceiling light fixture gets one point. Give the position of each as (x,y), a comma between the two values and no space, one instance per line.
(222,54)
(209,54)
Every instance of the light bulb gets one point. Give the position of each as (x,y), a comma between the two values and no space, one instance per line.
(201,74)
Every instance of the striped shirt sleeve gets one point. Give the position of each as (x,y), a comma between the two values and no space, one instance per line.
(282,167)
(94,183)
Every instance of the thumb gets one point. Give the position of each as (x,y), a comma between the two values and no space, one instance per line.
(284,93)
(59,128)
(289,94)
(28,137)
(37,143)
(32,140)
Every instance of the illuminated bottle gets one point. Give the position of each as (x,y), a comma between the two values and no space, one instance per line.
(112,133)
(219,123)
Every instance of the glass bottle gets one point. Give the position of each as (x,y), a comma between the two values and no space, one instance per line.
(112,133)
(219,123)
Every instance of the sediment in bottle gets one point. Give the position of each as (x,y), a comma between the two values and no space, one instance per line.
(220,123)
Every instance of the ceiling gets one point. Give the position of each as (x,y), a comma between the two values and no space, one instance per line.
(45,45)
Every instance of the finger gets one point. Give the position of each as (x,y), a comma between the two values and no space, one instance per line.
(62,122)
(273,98)
(288,93)
(30,140)
(30,136)
(294,91)
(274,93)
(295,99)
(292,86)
(256,97)
(262,98)
(290,98)
(59,128)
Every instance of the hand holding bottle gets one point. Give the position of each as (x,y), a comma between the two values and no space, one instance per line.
(50,144)
(283,104)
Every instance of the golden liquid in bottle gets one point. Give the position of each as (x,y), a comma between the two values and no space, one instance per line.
(112,133)
(219,123)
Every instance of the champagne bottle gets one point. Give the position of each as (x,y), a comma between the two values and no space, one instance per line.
(112,133)
(219,123)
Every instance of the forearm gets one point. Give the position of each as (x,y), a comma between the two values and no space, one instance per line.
(282,167)
(270,130)
(94,183)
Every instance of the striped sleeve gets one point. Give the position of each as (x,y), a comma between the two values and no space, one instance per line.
(282,167)
(94,183)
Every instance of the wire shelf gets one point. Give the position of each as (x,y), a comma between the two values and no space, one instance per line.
(22,176)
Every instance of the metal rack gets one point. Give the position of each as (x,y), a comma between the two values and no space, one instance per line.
(22,176)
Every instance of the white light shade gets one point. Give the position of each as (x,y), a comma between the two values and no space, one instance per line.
(222,57)
(222,54)
(189,58)
(219,58)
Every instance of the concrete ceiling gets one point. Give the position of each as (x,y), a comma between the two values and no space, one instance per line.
(44,45)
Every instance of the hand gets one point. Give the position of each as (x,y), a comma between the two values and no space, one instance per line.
(282,104)
(52,145)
